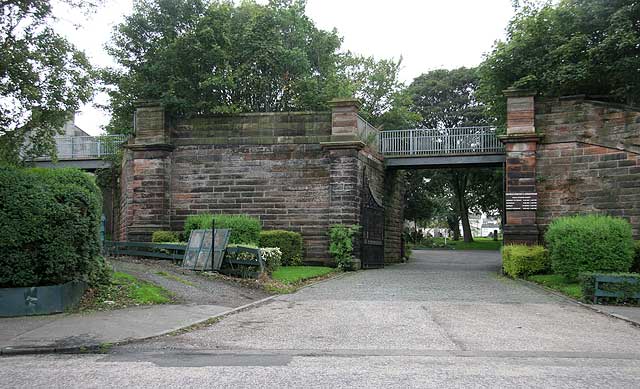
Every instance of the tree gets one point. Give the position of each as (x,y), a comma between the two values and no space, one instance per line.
(199,59)
(446,99)
(573,47)
(44,79)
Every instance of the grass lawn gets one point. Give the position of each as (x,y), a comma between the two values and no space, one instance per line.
(124,291)
(559,283)
(295,274)
(477,244)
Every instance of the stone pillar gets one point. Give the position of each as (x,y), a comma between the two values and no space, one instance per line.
(343,150)
(520,142)
(145,176)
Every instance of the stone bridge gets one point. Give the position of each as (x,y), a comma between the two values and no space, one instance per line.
(304,171)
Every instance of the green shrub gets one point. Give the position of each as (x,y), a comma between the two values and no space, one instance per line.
(522,260)
(626,290)
(165,237)
(584,244)
(290,244)
(244,229)
(49,227)
(636,262)
(341,244)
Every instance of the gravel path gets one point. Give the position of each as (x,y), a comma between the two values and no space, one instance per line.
(188,286)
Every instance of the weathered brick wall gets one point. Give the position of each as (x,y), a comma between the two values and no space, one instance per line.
(288,169)
(588,160)
(266,165)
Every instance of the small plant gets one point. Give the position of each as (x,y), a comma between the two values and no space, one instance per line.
(272,257)
(522,260)
(341,244)
(586,244)
(289,242)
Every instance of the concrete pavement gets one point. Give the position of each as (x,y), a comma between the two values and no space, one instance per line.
(67,332)
(445,319)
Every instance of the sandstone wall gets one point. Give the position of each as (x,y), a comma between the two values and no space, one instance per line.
(588,160)
(288,169)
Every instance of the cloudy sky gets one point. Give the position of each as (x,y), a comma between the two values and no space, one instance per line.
(428,34)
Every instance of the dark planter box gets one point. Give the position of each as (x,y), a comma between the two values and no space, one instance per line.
(40,300)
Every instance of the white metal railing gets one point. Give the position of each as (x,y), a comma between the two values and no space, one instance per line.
(440,142)
(86,147)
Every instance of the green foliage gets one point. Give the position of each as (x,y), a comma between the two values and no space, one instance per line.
(201,58)
(289,242)
(582,244)
(522,260)
(572,47)
(635,268)
(296,274)
(44,79)
(165,237)
(141,292)
(50,227)
(446,98)
(341,244)
(244,229)
(626,290)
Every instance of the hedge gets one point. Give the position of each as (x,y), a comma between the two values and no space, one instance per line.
(523,260)
(244,229)
(165,237)
(626,289)
(49,227)
(587,244)
(290,244)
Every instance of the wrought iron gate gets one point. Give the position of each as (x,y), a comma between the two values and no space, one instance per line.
(372,222)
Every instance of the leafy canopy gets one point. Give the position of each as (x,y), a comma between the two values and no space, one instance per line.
(573,47)
(199,57)
(43,78)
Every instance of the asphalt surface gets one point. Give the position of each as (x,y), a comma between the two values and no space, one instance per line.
(445,319)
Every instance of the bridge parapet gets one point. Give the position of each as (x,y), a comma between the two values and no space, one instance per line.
(440,142)
(85,147)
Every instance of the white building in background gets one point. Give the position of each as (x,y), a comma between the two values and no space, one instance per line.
(71,129)
(482,225)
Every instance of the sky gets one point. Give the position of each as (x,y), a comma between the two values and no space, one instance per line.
(427,34)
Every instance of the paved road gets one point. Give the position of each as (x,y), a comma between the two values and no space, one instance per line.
(443,320)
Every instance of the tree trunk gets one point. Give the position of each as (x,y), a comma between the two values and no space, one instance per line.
(459,189)
(466,227)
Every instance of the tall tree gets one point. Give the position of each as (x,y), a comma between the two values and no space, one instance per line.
(202,58)
(43,79)
(566,48)
(446,99)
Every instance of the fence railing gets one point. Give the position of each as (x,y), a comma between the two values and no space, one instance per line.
(440,142)
(368,133)
(86,147)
